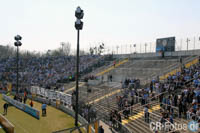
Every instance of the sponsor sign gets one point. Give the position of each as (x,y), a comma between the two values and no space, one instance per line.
(32,111)
(53,95)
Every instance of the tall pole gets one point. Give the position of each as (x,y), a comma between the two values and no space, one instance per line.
(150,47)
(117,49)
(17,69)
(17,44)
(126,48)
(135,48)
(121,49)
(181,44)
(194,43)
(187,43)
(112,50)
(145,47)
(78,25)
(62,47)
(77,78)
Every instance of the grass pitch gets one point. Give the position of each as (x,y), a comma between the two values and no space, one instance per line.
(25,123)
(1,130)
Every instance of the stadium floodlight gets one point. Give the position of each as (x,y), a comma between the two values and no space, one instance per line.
(79,13)
(187,43)
(134,45)
(79,26)
(17,44)
(18,38)
(117,48)
(145,46)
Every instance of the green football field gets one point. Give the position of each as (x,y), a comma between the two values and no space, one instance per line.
(24,123)
(1,130)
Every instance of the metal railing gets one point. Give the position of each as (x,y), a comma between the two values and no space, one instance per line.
(171,68)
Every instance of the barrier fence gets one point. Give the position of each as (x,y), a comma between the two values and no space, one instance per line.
(32,111)
(61,97)
(181,44)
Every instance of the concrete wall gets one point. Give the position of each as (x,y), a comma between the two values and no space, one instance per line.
(152,55)
(95,82)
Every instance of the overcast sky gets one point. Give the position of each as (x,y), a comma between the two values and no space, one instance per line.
(43,24)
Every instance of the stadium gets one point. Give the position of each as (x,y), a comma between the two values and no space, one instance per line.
(147,87)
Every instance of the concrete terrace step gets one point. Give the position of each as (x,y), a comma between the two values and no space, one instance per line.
(139,126)
(136,122)
(69,90)
(112,67)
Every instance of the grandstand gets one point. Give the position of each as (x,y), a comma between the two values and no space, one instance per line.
(132,77)
(105,101)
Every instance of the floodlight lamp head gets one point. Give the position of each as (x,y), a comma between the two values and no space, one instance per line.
(18,43)
(79,13)
(18,38)
(79,24)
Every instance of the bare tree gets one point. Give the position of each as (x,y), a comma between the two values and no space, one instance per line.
(55,52)
(66,48)
(91,51)
(101,49)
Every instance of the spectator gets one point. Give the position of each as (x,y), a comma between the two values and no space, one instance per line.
(114,63)
(146,114)
(25,98)
(5,107)
(100,130)
(44,106)
(111,120)
(31,103)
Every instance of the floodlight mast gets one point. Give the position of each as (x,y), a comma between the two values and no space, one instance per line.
(18,43)
(79,26)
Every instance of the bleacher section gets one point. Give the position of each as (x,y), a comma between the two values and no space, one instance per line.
(103,96)
(141,69)
(111,67)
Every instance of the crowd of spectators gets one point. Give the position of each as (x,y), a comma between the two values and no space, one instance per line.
(85,110)
(178,95)
(184,94)
(45,71)
(115,120)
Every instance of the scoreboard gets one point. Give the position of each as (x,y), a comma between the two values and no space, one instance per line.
(165,44)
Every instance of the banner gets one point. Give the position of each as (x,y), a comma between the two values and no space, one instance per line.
(35,113)
(38,91)
(42,92)
(51,94)
(34,90)
(46,93)
(54,97)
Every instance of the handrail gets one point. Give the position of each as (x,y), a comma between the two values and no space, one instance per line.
(121,112)
(105,67)
(106,118)
(171,106)
(159,116)
(147,99)
(172,67)
(193,114)
(124,126)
